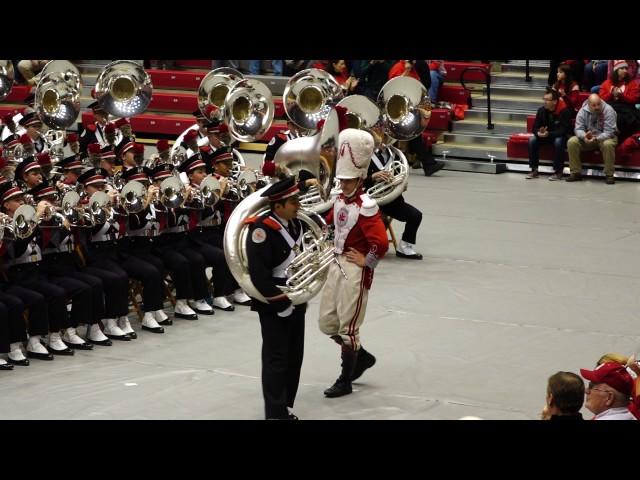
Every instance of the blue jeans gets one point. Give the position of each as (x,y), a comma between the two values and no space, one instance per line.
(559,144)
(593,77)
(254,67)
(436,80)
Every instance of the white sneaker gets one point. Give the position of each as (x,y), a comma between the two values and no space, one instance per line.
(149,323)
(125,326)
(223,304)
(3,361)
(95,335)
(16,352)
(34,345)
(112,330)
(55,342)
(406,250)
(241,298)
(182,310)
(201,306)
(71,336)
(160,315)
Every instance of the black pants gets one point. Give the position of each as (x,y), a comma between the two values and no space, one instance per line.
(282,352)
(404,212)
(12,325)
(186,265)
(204,243)
(559,145)
(417,147)
(115,287)
(36,305)
(107,257)
(28,276)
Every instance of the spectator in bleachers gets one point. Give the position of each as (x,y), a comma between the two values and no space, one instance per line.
(552,127)
(595,130)
(29,70)
(291,67)
(622,92)
(595,72)
(373,75)
(567,87)
(634,71)
(633,368)
(339,70)
(255,67)
(225,63)
(576,66)
(403,68)
(609,390)
(438,74)
(565,396)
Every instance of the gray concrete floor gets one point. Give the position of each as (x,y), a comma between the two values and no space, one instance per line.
(520,279)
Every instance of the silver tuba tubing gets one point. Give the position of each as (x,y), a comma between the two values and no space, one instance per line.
(386,192)
(124,88)
(7,76)
(249,110)
(304,283)
(403,102)
(213,91)
(57,95)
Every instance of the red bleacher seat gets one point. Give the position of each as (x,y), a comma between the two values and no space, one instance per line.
(455,69)
(453,94)
(188,102)
(173,79)
(440,119)
(430,136)
(204,64)
(517,147)
(4,109)
(18,94)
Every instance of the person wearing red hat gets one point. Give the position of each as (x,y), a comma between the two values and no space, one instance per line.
(360,241)
(125,153)
(72,140)
(29,173)
(270,245)
(164,150)
(138,153)
(609,391)
(622,92)
(22,263)
(33,126)
(9,126)
(71,168)
(279,139)
(124,126)
(95,132)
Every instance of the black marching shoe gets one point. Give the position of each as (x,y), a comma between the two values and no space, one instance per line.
(153,329)
(342,386)
(23,363)
(6,366)
(79,346)
(416,256)
(433,168)
(40,356)
(66,352)
(168,321)
(365,360)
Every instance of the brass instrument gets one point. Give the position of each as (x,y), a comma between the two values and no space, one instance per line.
(309,97)
(57,96)
(123,88)
(23,223)
(206,195)
(132,197)
(213,91)
(404,103)
(249,110)
(173,193)
(7,75)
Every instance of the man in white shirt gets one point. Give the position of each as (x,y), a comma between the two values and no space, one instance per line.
(609,391)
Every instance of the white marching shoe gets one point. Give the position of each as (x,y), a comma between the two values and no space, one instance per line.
(15,356)
(125,326)
(241,298)
(201,306)
(57,346)
(96,336)
(112,330)
(162,318)
(405,250)
(73,340)
(183,310)
(35,349)
(223,304)
(149,323)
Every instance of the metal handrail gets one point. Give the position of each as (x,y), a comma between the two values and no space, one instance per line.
(487,79)
(527,76)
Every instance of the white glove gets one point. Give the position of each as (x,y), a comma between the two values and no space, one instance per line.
(287,312)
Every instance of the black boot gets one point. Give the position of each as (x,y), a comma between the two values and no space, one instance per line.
(365,360)
(343,383)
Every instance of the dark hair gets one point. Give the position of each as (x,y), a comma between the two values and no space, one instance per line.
(615,76)
(567,389)
(568,76)
(554,93)
(272,205)
(332,70)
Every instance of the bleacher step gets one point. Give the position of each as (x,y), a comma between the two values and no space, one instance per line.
(479,152)
(476,138)
(520,68)
(480,126)
(514,78)
(524,92)
(508,103)
(498,115)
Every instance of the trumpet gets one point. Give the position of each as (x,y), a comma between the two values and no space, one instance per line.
(173,193)
(207,194)
(22,225)
(132,197)
(69,212)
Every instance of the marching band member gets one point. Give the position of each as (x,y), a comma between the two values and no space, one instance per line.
(33,126)
(28,173)
(360,242)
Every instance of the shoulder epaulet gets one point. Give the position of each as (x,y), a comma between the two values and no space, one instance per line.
(282,136)
(271,223)
(250,220)
(369,206)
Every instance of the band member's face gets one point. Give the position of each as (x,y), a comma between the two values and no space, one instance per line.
(71,175)
(96,187)
(224,168)
(108,166)
(197,175)
(33,177)
(129,159)
(101,117)
(289,209)
(13,204)
(349,186)
(34,130)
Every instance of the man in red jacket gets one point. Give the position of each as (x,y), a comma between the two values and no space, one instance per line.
(360,242)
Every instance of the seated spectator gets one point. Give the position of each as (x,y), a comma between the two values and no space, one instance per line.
(565,396)
(595,130)
(567,87)
(551,127)
(622,92)
(595,72)
(608,392)
(438,74)
(633,368)
(339,70)
(29,70)
(255,67)
(291,67)
(403,68)
(373,74)
(634,71)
